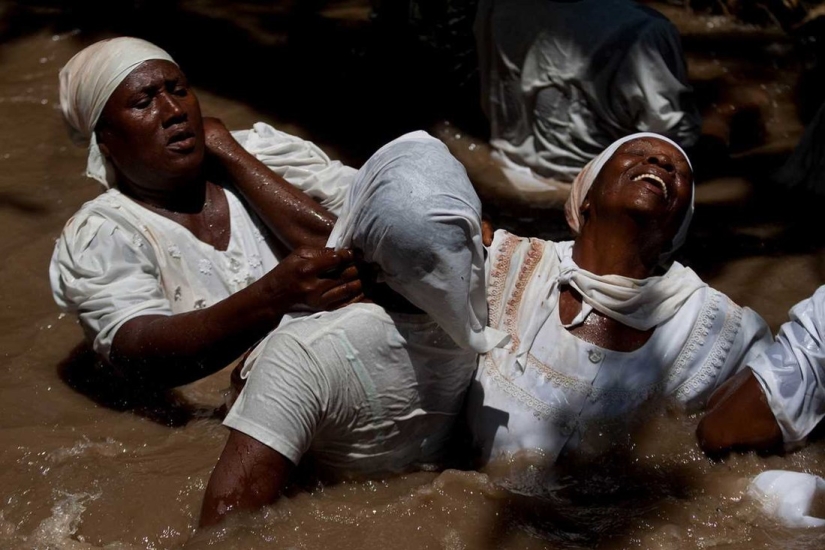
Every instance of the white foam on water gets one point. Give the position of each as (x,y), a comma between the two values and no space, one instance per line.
(59,530)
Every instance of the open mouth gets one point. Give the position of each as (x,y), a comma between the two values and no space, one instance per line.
(652,179)
(181,140)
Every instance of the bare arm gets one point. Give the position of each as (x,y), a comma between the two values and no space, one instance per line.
(248,475)
(168,351)
(739,418)
(292,216)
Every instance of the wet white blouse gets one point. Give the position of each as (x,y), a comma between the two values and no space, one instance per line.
(363,391)
(571,393)
(117,260)
(792,370)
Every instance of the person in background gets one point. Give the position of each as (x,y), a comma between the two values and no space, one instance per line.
(176,270)
(563,79)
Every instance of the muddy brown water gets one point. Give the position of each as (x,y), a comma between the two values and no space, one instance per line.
(83,466)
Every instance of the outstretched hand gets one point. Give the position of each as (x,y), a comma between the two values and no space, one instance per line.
(319,278)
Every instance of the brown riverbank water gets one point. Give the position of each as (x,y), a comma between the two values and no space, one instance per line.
(106,471)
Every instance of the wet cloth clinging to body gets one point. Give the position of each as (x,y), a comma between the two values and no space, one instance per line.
(792,371)
(86,83)
(562,80)
(116,260)
(364,390)
(412,210)
(553,392)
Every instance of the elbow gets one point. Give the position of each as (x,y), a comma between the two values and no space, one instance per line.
(711,439)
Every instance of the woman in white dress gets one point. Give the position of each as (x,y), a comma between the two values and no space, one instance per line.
(171,273)
(598,327)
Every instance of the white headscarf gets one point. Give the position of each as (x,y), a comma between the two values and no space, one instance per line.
(86,83)
(412,210)
(584,181)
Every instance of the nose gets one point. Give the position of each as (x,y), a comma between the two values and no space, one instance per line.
(661,160)
(172,110)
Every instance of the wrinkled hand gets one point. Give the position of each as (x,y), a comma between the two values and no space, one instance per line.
(218,139)
(320,278)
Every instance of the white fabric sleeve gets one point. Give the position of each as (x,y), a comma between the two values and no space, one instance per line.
(736,336)
(792,371)
(284,399)
(300,162)
(652,86)
(105,277)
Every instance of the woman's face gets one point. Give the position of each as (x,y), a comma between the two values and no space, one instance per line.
(647,178)
(151,127)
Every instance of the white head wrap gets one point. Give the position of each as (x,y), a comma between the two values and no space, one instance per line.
(86,83)
(584,181)
(412,210)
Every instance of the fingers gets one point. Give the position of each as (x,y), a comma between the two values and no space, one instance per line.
(341,295)
(324,259)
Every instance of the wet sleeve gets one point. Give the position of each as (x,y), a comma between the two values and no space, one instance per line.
(284,399)
(723,346)
(652,87)
(105,277)
(792,370)
(301,163)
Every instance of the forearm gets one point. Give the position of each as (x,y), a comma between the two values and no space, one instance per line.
(739,418)
(292,216)
(178,349)
(248,476)
(169,351)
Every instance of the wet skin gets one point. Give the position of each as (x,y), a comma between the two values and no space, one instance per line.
(152,131)
(647,180)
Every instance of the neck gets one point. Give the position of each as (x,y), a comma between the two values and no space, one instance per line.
(187,198)
(616,249)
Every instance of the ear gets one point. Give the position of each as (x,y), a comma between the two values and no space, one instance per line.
(585,207)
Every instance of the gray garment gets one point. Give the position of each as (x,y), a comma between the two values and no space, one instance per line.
(563,80)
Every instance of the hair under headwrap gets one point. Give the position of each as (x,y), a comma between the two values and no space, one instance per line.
(86,83)
(584,181)
(412,210)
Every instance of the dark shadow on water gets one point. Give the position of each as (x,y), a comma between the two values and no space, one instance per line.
(85,373)
(11,201)
(588,504)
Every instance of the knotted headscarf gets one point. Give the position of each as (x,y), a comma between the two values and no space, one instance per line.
(86,83)
(412,210)
(584,181)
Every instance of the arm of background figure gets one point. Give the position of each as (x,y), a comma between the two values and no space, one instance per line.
(739,418)
(168,351)
(248,476)
(292,216)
